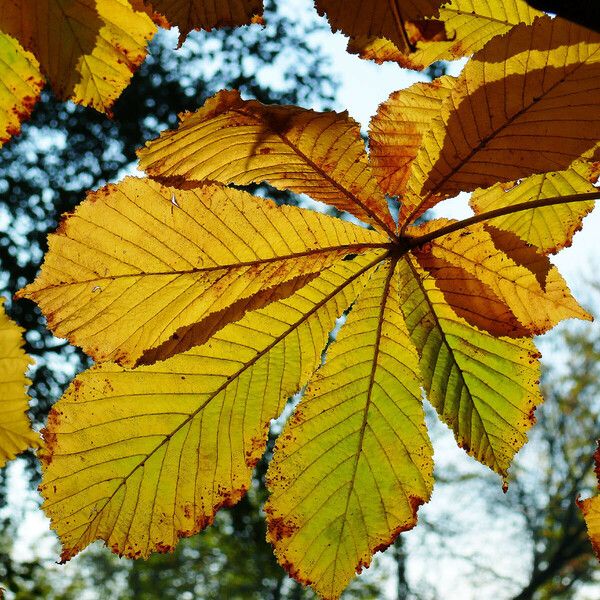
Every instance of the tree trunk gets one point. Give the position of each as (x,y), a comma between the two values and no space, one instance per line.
(399,554)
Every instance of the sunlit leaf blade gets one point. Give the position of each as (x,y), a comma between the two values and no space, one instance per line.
(200,14)
(140,272)
(141,457)
(16,434)
(591,510)
(527,103)
(466,26)
(20,85)
(354,462)
(231,140)
(523,279)
(398,21)
(549,228)
(88,49)
(485,388)
(396,131)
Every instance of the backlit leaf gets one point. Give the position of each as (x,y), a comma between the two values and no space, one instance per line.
(231,140)
(527,103)
(466,25)
(141,272)
(378,18)
(20,85)
(484,387)
(354,462)
(202,14)
(88,49)
(549,228)
(141,457)
(16,434)
(238,297)
(591,511)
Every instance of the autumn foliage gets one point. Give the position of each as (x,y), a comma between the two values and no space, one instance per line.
(206,308)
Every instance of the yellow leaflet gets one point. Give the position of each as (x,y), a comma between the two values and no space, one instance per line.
(527,103)
(141,457)
(524,280)
(88,49)
(16,434)
(485,388)
(396,131)
(231,140)
(354,462)
(20,85)
(549,228)
(141,272)
(466,25)
(591,511)
(200,14)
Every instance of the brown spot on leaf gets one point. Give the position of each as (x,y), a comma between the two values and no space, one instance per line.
(163,548)
(280,528)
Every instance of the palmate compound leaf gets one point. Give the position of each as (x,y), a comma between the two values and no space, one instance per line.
(461,28)
(354,462)
(483,384)
(20,85)
(526,103)
(141,457)
(88,49)
(140,272)
(16,434)
(591,510)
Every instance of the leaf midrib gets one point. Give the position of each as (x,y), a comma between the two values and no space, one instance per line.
(452,354)
(363,427)
(345,192)
(252,263)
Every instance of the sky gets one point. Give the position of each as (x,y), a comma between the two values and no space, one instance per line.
(363,86)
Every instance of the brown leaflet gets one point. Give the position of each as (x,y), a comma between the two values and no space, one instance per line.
(520,252)
(381,49)
(396,131)
(378,18)
(471,298)
(20,19)
(191,15)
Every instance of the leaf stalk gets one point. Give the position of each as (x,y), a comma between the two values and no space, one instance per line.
(415,241)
